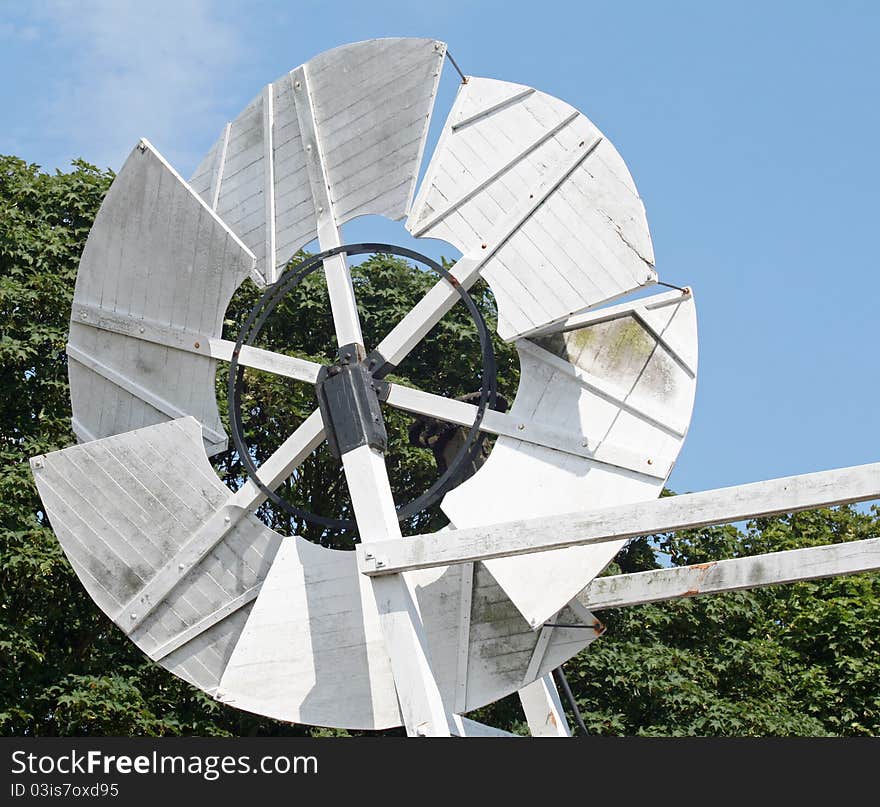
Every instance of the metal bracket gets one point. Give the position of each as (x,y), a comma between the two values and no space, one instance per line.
(378,365)
(349,403)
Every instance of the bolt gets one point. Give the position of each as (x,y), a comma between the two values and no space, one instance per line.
(650,461)
(196,345)
(521,426)
(84,315)
(368,555)
(309,147)
(141,330)
(297,84)
(585,442)
(227,519)
(181,566)
(133,616)
(38,463)
(379,563)
(484,246)
(320,208)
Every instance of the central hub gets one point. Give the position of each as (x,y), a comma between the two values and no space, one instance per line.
(348,396)
(350,390)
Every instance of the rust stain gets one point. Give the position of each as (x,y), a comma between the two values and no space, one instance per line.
(704,567)
(454,280)
(598,627)
(552,719)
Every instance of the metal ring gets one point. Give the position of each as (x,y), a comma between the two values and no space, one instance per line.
(257,317)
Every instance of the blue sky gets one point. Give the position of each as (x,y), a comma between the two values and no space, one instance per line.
(751,129)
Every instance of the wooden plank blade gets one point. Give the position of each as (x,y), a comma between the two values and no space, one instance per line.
(121,507)
(369,107)
(158,260)
(585,243)
(611,384)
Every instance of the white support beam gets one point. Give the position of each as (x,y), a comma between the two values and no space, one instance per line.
(543,709)
(465,727)
(755,571)
(421,705)
(464,414)
(149,397)
(400,397)
(428,311)
(789,494)
(194,342)
(336,273)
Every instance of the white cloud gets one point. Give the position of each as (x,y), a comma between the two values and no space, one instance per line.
(131,69)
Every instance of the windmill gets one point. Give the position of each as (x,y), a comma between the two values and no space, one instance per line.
(414,631)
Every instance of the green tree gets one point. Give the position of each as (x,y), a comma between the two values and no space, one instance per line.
(800,659)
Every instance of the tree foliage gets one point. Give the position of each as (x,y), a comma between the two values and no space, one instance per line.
(797,659)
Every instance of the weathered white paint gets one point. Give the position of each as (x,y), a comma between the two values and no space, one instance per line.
(121,507)
(224,519)
(421,704)
(629,453)
(370,105)
(156,254)
(785,495)
(543,709)
(586,243)
(339,288)
(770,569)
